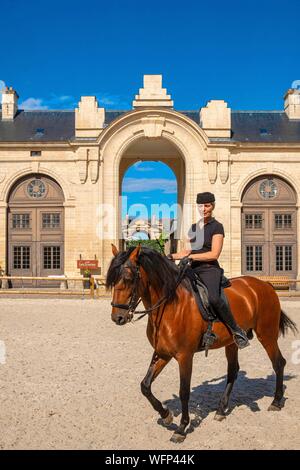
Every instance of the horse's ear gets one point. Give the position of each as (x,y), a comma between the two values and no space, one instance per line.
(114,250)
(135,254)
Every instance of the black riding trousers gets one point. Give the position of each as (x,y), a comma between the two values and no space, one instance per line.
(211,277)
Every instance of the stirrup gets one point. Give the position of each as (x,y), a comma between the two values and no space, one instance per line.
(209,338)
(240,338)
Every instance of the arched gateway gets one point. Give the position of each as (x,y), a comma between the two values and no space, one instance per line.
(159,135)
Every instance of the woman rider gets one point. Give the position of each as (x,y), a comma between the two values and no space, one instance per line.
(206,240)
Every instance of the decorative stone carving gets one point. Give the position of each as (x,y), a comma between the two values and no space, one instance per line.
(152,95)
(212,165)
(89,119)
(153,126)
(94,171)
(82,171)
(215,119)
(82,163)
(223,164)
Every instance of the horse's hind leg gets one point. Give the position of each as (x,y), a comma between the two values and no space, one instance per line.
(278,362)
(232,372)
(156,366)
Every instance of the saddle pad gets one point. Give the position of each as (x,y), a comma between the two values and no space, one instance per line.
(201,295)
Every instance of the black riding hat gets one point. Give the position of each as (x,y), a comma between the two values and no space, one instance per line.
(203,198)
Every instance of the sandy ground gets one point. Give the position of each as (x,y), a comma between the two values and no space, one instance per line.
(70,379)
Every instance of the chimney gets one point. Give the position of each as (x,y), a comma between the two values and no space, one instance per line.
(9,104)
(292,103)
(215,119)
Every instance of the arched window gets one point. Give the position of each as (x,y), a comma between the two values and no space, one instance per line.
(269,231)
(35,228)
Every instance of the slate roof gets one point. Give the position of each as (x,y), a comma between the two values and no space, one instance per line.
(264,126)
(28,125)
(59,126)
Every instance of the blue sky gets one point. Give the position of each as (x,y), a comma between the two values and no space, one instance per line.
(148,186)
(245,52)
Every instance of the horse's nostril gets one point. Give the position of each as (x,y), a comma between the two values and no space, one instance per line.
(120,320)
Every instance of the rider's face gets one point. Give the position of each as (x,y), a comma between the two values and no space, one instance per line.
(205,210)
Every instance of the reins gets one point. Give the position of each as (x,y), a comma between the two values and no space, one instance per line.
(135,299)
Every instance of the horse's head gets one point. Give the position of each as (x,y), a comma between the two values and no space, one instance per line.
(125,277)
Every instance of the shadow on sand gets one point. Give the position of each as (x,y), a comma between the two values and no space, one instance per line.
(204,398)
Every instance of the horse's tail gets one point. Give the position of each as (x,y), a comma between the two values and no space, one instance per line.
(286,324)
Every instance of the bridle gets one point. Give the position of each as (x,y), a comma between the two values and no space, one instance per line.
(135,298)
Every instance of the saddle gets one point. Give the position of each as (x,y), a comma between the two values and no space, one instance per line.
(201,296)
(205,309)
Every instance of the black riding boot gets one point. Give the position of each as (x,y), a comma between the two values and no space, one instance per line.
(239,335)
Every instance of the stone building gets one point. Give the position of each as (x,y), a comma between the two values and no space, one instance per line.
(61,175)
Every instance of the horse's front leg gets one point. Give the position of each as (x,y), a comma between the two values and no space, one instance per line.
(156,366)
(185,370)
(232,372)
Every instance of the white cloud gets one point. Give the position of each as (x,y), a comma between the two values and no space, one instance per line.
(54,102)
(61,101)
(65,98)
(32,103)
(138,167)
(107,99)
(132,185)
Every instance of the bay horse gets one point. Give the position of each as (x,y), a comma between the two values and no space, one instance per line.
(175,327)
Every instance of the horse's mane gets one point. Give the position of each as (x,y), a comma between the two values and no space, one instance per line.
(162,273)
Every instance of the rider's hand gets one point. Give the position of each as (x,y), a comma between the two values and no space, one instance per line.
(185,261)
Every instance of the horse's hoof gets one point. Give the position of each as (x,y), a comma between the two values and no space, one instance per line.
(177,438)
(168,420)
(219,417)
(274,408)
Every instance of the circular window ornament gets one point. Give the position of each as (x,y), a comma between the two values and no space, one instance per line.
(268,189)
(36,189)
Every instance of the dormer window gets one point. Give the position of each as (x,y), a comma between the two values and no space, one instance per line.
(40,132)
(264,132)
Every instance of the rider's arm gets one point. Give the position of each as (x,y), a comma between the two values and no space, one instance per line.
(216,248)
(184,252)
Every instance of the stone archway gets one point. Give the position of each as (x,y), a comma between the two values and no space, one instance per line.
(35,228)
(148,130)
(269,227)
(158,150)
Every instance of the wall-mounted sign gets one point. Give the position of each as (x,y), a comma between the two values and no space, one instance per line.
(87,263)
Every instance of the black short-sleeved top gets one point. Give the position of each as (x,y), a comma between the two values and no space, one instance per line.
(204,240)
